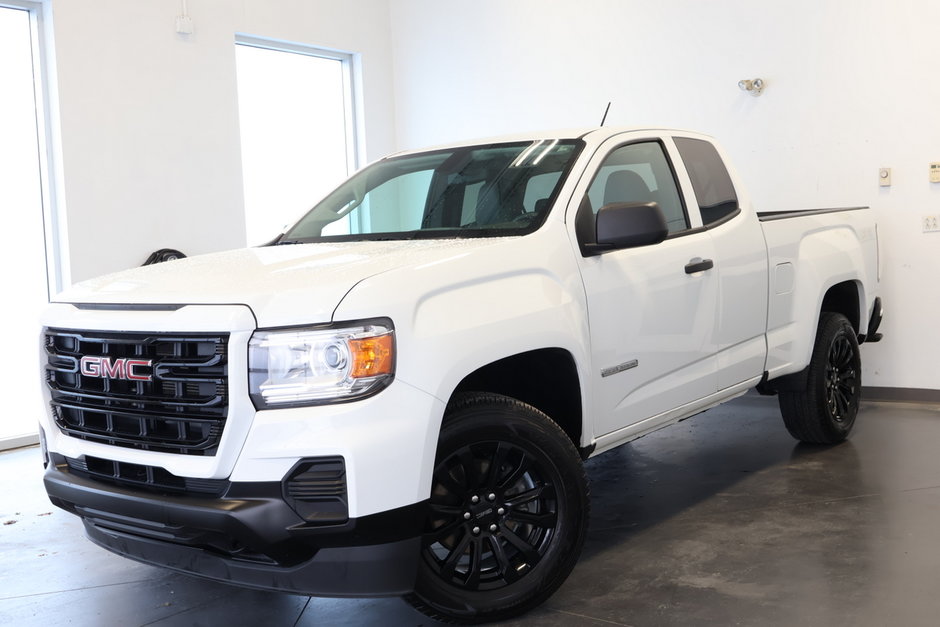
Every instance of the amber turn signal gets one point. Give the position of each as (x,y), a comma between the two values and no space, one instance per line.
(372,356)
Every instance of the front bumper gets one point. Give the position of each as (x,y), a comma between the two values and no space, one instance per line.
(248,536)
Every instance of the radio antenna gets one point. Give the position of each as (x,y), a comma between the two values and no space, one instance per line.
(604,119)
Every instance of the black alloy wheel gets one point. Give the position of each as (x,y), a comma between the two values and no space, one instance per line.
(507,512)
(842,379)
(493,515)
(823,411)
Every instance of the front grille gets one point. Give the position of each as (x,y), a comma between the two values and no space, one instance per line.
(155,392)
(143,477)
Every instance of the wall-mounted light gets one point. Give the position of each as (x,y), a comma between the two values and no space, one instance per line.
(752,86)
(184,23)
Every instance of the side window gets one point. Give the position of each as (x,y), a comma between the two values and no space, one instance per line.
(639,173)
(710,179)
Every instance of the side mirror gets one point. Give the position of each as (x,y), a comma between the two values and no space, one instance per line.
(630,224)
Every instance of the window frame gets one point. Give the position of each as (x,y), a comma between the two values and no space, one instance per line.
(48,144)
(351,85)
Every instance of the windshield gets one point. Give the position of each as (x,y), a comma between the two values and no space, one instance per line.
(473,191)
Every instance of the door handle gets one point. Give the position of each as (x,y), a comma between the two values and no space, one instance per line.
(699,265)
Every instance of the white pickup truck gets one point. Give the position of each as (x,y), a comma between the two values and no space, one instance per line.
(395,396)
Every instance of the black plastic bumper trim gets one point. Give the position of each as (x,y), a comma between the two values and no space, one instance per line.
(360,571)
(249,536)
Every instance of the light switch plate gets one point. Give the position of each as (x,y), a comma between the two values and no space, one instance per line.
(935,172)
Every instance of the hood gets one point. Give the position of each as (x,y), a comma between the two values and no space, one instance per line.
(283,285)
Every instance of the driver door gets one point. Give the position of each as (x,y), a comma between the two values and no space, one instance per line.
(652,320)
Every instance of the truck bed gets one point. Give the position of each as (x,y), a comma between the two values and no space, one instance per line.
(806,257)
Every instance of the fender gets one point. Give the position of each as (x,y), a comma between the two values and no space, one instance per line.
(824,256)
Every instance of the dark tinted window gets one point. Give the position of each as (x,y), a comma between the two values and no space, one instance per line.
(710,179)
(639,173)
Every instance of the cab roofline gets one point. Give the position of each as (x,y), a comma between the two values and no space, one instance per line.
(596,134)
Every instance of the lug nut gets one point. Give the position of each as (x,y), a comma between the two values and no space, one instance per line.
(474,499)
(466,515)
(476,530)
(493,527)
(491,497)
(501,511)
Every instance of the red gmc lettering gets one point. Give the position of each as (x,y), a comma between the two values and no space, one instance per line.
(112,369)
(121,368)
(91,366)
(134,363)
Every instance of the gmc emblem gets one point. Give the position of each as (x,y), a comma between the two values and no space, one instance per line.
(107,368)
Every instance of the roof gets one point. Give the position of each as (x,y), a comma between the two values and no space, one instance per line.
(597,135)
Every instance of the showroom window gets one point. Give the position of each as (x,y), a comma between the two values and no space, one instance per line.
(298,129)
(25,198)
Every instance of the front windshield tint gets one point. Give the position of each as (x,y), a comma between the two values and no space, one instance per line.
(475,191)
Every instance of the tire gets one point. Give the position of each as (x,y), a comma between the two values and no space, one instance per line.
(507,515)
(824,411)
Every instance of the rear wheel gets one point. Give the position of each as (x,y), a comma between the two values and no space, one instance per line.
(825,410)
(507,514)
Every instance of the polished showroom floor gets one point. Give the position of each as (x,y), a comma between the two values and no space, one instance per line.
(719,520)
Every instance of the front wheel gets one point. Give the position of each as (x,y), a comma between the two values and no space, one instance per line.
(507,515)
(824,412)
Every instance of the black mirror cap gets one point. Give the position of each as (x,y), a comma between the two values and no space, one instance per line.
(630,224)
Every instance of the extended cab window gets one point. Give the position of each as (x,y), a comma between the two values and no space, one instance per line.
(473,191)
(639,173)
(710,179)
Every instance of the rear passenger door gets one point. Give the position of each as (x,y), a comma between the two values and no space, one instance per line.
(652,321)
(740,262)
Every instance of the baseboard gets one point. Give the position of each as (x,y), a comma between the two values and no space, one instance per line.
(19,441)
(904,395)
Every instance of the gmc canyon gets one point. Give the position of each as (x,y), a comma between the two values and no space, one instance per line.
(395,396)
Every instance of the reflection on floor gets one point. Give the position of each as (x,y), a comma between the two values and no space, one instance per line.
(722,519)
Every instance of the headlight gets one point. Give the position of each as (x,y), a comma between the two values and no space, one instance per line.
(312,365)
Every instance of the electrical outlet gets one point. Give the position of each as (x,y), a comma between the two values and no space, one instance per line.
(931,224)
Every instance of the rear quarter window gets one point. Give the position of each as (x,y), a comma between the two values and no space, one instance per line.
(711,182)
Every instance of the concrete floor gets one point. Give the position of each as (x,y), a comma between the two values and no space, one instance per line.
(720,520)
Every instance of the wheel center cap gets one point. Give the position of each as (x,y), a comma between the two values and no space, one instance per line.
(483,508)
(482,514)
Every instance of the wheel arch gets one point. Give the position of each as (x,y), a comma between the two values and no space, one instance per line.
(546,378)
(845,298)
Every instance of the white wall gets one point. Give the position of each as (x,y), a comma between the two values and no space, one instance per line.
(149,126)
(149,120)
(850,88)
